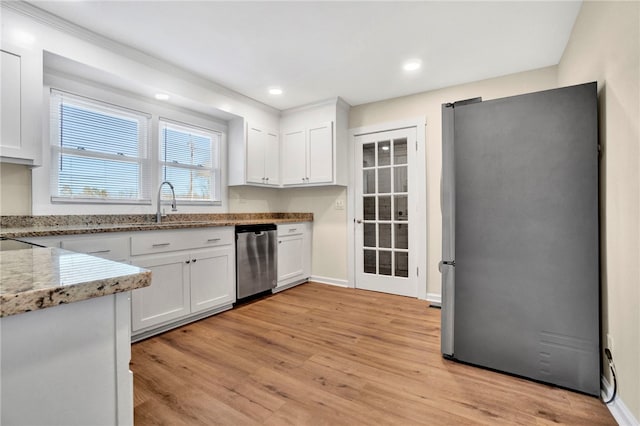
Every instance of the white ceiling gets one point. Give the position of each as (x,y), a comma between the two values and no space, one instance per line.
(318,50)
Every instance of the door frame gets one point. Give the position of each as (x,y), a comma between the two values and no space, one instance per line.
(420,185)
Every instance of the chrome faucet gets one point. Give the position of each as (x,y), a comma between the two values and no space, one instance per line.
(174,206)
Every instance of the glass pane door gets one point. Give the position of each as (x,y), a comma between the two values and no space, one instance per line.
(384,208)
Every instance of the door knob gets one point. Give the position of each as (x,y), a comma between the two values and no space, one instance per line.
(358,221)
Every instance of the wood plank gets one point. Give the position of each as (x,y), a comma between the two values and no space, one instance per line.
(323,355)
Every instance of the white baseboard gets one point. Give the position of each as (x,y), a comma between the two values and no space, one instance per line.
(435,299)
(330,281)
(617,407)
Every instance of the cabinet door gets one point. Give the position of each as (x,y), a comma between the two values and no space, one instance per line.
(294,158)
(255,155)
(320,153)
(213,279)
(272,158)
(291,258)
(20,105)
(10,140)
(167,298)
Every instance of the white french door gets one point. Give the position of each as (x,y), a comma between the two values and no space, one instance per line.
(385,243)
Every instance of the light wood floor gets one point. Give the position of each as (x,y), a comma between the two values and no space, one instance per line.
(322,355)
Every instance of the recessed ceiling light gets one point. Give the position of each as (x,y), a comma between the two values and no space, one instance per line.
(412,65)
(162,96)
(275,91)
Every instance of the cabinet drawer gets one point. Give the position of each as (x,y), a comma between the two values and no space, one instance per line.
(165,241)
(109,248)
(213,237)
(291,229)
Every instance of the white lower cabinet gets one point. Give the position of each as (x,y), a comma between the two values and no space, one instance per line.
(294,254)
(68,365)
(186,284)
(213,278)
(167,298)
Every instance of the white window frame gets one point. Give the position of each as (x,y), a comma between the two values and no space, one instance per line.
(144,148)
(216,138)
(80,85)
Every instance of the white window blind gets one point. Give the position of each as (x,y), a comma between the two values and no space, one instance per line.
(100,152)
(190,161)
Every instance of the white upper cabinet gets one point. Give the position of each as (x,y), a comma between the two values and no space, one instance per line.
(312,148)
(254,154)
(294,157)
(320,153)
(20,105)
(272,158)
(314,144)
(256,148)
(307,155)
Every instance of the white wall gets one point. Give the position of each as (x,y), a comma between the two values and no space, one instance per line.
(428,105)
(605,46)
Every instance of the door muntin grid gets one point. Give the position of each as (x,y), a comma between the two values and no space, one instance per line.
(385,194)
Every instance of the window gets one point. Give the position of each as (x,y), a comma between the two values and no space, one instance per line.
(189,158)
(99,152)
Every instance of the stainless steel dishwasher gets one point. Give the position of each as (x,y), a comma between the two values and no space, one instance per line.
(256,259)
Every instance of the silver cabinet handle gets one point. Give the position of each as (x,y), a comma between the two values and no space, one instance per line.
(293,229)
(187,261)
(160,245)
(194,260)
(99,252)
(213,240)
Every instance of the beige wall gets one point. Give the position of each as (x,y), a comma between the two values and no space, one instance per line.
(605,46)
(247,199)
(428,105)
(329,228)
(15,189)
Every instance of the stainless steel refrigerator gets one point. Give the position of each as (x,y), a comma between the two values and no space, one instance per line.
(520,267)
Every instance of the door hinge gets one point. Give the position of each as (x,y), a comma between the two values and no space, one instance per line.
(416,144)
(417,271)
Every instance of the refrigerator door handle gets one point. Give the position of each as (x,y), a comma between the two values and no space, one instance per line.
(447,263)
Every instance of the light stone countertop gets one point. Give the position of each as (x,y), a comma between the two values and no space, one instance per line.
(42,277)
(44,226)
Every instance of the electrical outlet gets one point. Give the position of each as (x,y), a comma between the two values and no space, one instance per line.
(609,342)
(339,204)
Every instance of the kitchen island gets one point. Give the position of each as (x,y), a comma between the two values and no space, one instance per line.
(65,338)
